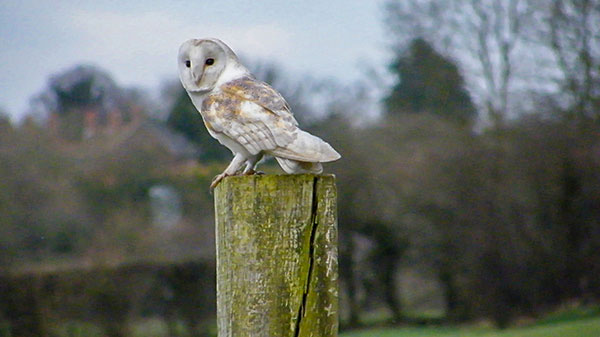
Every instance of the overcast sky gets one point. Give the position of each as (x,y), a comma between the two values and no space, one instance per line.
(137,41)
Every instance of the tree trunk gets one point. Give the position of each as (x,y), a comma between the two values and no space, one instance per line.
(276,256)
(349,277)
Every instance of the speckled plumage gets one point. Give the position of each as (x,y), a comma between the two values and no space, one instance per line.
(246,115)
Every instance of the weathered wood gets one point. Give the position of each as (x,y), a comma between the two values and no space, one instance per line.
(277,256)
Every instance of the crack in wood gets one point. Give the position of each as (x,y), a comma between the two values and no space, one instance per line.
(311,257)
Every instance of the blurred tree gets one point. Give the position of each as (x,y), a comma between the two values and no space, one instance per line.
(505,218)
(573,35)
(366,207)
(4,119)
(41,176)
(188,293)
(82,100)
(428,82)
(78,87)
(170,90)
(186,119)
(299,93)
(482,35)
(390,246)
(22,306)
(419,188)
(353,180)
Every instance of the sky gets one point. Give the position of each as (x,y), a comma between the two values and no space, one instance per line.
(137,41)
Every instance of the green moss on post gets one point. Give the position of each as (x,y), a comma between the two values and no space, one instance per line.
(277,256)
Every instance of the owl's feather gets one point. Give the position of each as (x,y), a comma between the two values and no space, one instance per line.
(306,147)
(294,166)
(249,89)
(256,116)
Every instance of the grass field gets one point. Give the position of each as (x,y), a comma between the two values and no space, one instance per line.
(588,327)
(577,321)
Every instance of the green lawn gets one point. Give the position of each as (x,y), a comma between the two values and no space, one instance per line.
(589,327)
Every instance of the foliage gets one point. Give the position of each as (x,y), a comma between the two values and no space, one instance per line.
(582,328)
(91,198)
(185,118)
(428,83)
(498,219)
(84,101)
(571,35)
(40,177)
(509,51)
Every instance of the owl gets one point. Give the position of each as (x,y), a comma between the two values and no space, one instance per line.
(244,114)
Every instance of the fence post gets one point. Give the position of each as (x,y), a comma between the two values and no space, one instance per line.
(277,267)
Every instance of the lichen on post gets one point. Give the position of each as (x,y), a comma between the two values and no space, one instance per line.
(277,256)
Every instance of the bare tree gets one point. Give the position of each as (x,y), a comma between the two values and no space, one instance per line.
(574,37)
(482,35)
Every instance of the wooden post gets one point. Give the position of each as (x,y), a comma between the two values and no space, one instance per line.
(277,256)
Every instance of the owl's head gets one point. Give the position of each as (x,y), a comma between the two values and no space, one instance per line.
(203,64)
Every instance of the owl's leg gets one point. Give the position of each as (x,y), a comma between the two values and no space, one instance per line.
(237,162)
(251,165)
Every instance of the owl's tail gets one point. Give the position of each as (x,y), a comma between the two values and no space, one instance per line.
(291,166)
(307,148)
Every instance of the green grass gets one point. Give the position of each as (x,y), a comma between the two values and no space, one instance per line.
(589,327)
(570,314)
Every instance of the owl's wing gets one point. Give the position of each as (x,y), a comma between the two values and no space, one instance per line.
(256,116)
(251,113)
(250,89)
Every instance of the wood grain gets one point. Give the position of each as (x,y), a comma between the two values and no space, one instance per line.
(277,256)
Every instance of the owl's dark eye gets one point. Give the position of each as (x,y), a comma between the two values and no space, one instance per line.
(188,63)
(210,62)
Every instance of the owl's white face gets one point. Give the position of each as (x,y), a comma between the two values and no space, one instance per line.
(201,63)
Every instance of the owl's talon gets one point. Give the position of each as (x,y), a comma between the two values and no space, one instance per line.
(253,172)
(217,180)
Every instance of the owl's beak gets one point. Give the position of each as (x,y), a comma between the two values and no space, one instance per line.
(197,73)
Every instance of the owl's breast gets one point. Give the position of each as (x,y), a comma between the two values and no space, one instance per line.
(221,105)
(218,111)
(231,144)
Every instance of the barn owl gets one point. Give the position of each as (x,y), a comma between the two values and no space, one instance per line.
(246,115)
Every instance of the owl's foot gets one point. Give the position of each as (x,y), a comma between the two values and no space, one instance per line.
(217,180)
(253,172)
